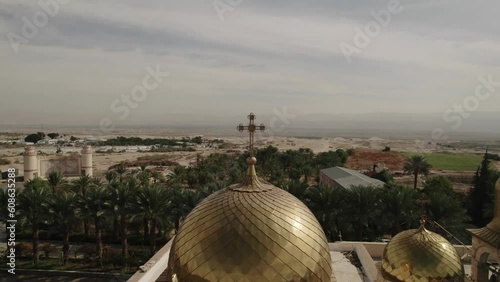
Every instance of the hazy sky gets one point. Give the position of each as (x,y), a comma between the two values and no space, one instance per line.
(255,56)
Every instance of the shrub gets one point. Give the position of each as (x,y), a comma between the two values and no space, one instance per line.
(4,161)
(386,149)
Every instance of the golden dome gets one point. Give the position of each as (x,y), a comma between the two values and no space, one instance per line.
(421,255)
(252,232)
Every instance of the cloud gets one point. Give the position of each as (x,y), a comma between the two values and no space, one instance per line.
(264,54)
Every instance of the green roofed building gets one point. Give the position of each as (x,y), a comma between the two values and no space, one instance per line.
(346,178)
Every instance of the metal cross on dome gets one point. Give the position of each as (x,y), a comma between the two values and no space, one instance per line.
(251,127)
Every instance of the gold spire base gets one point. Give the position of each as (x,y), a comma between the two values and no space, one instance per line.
(251,183)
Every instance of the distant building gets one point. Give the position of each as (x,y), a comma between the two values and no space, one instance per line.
(346,178)
(67,165)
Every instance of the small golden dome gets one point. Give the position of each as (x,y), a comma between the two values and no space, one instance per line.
(250,232)
(421,255)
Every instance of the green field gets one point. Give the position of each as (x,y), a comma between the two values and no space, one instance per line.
(450,161)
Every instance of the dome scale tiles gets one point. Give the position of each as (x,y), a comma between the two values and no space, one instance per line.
(251,231)
(421,255)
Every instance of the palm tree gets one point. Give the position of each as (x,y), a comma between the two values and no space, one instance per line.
(447,211)
(122,200)
(110,176)
(297,188)
(361,205)
(399,208)
(180,204)
(96,181)
(143,175)
(56,181)
(325,204)
(191,177)
(81,185)
(151,203)
(93,205)
(157,176)
(32,203)
(62,208)
(308,172)
(121,170)
(178,176)
(417,165)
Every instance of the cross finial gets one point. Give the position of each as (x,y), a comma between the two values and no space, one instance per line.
(423,201)
(251,127)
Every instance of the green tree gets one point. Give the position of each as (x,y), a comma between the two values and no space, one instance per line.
(178,207)
(343,155)
(96,181)
(448,211)
(121,170)
(151,204)
(122,201)
(110,176)
(384,175)
(62,209)
(482,193)
(178,176)
(32,203)
(56,181)
(33,138)
(93,205)
(197,140)
(297,188)
(325,203)
(143,175)
(331,159)
(439,184)
(53,135)
(81,185)
(157,176)
(417,165)
(399,207)
(362,206)
(308,172)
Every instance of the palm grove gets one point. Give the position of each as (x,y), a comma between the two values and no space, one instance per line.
(138,210)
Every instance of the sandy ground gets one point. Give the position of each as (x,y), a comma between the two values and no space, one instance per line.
(371,148)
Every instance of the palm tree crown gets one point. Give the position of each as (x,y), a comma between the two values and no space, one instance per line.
(417,165)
